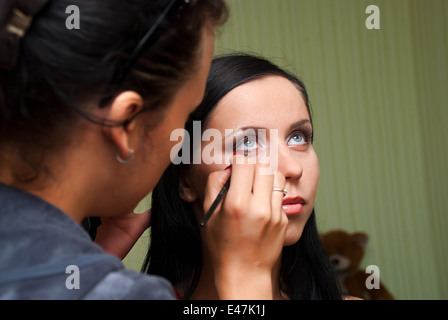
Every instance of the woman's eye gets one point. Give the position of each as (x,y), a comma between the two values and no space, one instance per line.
(297,139)
(250,143)
(246,145)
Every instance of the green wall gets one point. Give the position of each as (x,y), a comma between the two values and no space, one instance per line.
(379,101)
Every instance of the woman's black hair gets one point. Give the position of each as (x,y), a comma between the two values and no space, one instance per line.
(175,248)
(60,73)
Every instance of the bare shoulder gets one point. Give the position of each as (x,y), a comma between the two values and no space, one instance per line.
(351,298)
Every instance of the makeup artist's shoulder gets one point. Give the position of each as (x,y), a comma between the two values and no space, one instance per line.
(351,298)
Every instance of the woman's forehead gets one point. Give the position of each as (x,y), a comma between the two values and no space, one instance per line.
(270,102)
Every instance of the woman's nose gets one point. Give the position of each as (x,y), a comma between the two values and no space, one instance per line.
(289,165)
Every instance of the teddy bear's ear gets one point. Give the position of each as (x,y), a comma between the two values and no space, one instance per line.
(360,238)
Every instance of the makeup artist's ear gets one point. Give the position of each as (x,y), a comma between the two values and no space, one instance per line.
(186,190)
(122,108)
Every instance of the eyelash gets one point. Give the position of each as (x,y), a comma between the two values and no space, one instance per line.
(246,138)
(306,133)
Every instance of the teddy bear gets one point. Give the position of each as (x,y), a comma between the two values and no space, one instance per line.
(345,252)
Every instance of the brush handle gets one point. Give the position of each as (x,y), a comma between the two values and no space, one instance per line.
(215,203)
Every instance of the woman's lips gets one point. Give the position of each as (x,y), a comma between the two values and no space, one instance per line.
(293,205)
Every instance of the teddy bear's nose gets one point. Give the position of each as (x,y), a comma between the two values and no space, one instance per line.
(335,261)
(339,262)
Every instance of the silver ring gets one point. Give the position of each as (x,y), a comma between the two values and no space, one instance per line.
(281,190)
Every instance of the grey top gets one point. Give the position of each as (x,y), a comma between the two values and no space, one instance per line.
(44,254)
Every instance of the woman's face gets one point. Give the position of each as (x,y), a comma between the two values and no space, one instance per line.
(152,148)
(186,100)
(275,104)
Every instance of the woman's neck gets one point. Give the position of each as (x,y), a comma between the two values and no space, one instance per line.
(64,180)
(51,190)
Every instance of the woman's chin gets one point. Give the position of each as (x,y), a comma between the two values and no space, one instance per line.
(292,236)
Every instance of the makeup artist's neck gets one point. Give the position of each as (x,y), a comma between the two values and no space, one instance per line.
(206,290)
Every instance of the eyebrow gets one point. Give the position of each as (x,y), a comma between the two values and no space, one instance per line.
(300,123)
(243,129)
(294,125)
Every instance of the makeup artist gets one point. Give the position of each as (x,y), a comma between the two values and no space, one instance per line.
(85,120)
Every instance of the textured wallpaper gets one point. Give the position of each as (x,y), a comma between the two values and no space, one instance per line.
(379,98)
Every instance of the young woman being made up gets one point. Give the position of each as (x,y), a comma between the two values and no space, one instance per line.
(244,93)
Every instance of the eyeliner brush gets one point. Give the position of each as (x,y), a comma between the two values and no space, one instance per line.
(215,203)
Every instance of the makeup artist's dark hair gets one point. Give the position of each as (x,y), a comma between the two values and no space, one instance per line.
(175,248)
(55,74)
